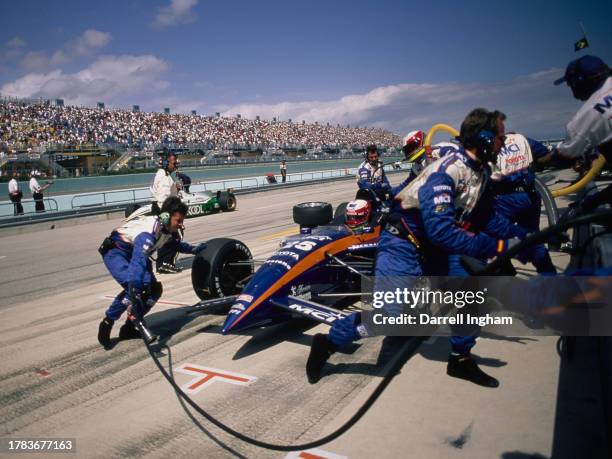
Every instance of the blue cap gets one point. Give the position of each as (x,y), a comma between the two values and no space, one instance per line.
(583,68)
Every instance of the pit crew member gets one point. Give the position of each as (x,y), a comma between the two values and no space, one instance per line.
(424,228)
(590,80)
(126,254)
(371,175)
(165,184)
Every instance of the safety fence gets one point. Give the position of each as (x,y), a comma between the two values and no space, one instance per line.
(10,209)
(114,198)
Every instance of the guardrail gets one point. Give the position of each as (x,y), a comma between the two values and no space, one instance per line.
(7,209)
(108,198)
(106,201)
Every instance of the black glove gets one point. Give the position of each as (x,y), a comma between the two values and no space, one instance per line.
(136,295)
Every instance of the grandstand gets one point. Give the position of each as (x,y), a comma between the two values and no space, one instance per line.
(73,140)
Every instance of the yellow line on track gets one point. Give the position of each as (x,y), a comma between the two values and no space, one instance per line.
(287,232)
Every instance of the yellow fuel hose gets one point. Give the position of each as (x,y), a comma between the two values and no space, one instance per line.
(440,127)
(597,165)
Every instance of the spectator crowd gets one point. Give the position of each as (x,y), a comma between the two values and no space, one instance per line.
(25,125)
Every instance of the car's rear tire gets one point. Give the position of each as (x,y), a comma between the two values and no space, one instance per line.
(340,214)
(212,276)
(311,214)
(227,201)
(131,208)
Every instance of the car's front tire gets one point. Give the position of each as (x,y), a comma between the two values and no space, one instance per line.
(213,274)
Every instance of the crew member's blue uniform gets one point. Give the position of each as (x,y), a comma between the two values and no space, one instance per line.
(516,197)
(373,178)
(130,265)
(424,232)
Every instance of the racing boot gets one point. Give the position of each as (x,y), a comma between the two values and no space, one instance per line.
(463,366)
(320,350)
(104,331)
(168,268)
(129,331)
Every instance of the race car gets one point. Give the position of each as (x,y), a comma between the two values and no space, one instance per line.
(315,274)
(198,204)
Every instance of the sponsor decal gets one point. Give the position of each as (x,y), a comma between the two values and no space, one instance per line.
(244,297)
(368,245)
(327,317)
(205,376)
(301,291)
(278,262)
(442,188)
(194,210)
(605,104)
(442,199)
(440,208)
(286,253)
(516,159)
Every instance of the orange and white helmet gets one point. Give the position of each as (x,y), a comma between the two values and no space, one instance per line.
(358,213)
(413,141)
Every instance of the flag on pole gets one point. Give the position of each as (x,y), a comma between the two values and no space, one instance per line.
(581,44)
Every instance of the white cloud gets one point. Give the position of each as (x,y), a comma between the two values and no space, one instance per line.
(107,78)
(533,105)
(179,11)
(84,45)
(90,41)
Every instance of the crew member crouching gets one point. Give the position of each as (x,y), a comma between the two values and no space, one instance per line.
(126,254)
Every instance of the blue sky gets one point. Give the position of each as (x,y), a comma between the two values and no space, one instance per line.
(401,65)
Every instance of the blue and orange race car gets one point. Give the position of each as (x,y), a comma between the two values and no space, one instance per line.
(315,274)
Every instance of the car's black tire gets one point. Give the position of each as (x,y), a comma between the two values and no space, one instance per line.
(227,201)
(340,214)
(312,214)
(211,274)
(131,208)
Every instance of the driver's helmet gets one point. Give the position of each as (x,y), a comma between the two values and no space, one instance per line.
(413,141)
(358,214)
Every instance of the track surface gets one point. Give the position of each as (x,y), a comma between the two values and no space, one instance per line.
(56,381)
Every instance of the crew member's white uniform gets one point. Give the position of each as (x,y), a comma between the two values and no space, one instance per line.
(592,124)
(149,225)
(13,186)
(466,174)
(515,156)
(34,185)
(371,173)
(164,186)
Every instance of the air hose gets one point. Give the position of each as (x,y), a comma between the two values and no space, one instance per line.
(603,217)
(396,365)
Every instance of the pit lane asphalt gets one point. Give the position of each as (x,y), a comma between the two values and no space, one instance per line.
(56,381)
(115,402)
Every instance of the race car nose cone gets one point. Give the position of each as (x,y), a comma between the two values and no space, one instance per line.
(230,320)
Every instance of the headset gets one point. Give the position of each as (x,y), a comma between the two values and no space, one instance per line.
(164,218)
(164,158)
(484,140)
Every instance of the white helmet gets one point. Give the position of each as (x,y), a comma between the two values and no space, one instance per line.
(358,213)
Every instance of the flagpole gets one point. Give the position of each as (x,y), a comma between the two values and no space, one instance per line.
(582,28)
